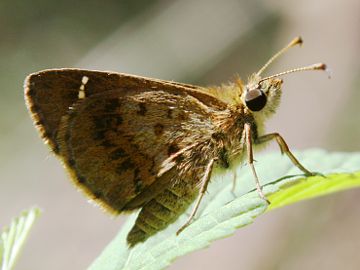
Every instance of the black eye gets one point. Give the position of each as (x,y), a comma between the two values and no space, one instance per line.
(255,100)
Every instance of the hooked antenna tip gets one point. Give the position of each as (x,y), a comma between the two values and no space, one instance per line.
(328,71)
(296,41)
(322,66)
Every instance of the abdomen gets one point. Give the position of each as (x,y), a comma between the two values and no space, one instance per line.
(161,211)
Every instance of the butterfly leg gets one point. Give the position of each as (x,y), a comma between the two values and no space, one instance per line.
(204,183)
(284,150)
(250,156)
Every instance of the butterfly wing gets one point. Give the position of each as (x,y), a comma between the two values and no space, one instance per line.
(50,93)
(115,141)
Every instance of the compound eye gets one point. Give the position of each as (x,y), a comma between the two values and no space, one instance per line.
(255,100)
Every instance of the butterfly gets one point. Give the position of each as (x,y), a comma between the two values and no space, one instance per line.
(130,142)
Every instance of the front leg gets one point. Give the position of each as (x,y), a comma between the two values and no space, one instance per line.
(283,148)
(249,150)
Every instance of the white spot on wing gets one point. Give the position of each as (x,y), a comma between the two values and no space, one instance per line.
(81,94)
(84,81)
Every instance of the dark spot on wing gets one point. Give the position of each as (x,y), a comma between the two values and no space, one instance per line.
(158,129)
(119,120)
(98,135)
(101,122)
(142,109)
(107,122)
(107,143)
(117,153)
(125,165)
(169,113)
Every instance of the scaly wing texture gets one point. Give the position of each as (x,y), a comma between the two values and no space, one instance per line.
(50,93)
(116,139)
(115,145)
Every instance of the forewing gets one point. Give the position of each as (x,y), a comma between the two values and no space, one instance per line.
(50,93)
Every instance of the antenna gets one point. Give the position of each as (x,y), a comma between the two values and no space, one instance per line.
(294,42)
(319,66)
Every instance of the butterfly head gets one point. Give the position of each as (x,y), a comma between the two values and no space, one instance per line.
(262,95)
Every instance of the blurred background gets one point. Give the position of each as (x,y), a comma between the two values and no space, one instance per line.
(199,42)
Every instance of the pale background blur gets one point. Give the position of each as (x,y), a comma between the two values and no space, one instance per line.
(201,42)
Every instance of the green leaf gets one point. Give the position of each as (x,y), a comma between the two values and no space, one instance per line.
(13,238)
(222,211)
